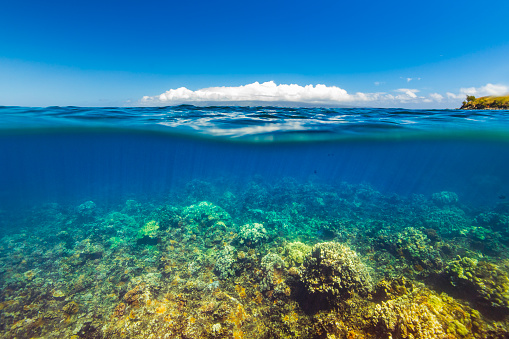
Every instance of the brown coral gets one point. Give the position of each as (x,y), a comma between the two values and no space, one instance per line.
(119,310)
(334,269)
(70,308)
(132,296)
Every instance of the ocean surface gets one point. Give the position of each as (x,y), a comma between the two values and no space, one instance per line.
(253,222)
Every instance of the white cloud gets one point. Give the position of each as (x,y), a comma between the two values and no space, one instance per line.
(272,93)
(436,97)
(407,94)
(267,92)
(410,79)
(453,96)
(488,89)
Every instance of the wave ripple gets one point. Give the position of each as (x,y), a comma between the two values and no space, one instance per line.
(261,123)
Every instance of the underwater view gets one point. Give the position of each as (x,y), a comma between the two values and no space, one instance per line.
(253,222)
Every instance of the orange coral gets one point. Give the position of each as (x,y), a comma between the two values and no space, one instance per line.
(259,298)
(238,334)
(161,309)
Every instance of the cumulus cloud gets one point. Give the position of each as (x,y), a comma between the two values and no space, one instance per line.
(266,92)
(409,93)
(273,94)
(436,97)
(488,89)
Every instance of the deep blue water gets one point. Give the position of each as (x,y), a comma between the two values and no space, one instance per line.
(70,154)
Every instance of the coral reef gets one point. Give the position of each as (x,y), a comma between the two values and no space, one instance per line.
(252,234)
(445,198)
(272,266)
(424,314)
(257,260)
(87,209)
(225,261)
(149,230)
(334,271)
(414,246)
(449,221)
(295,253)
(484,283)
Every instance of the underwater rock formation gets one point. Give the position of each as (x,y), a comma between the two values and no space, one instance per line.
(448,221)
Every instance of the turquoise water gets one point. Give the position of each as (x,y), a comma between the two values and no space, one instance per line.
(231,222)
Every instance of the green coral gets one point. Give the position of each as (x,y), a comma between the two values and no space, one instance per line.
(120,223)
(480,233)
(205,215)
(449,221)
(115,242)
(414,246)
(149,230)
(252,234)
(87,209)
(444,198)
(493,220)
(487,283)
(296,253)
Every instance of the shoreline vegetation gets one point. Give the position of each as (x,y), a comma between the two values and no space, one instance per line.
(488,102)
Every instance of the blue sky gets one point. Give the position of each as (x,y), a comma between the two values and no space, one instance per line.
(392,53)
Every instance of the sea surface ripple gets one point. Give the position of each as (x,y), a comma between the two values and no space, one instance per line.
(261,123)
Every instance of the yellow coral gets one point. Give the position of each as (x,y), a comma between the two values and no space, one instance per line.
(149,229)
(241,291)
(238,334)
(296,252)
(237,316)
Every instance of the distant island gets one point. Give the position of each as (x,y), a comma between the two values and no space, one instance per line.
(488,102)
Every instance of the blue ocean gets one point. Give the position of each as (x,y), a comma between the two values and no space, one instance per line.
(253,222)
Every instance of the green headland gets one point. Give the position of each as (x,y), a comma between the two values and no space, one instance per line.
(488,102)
